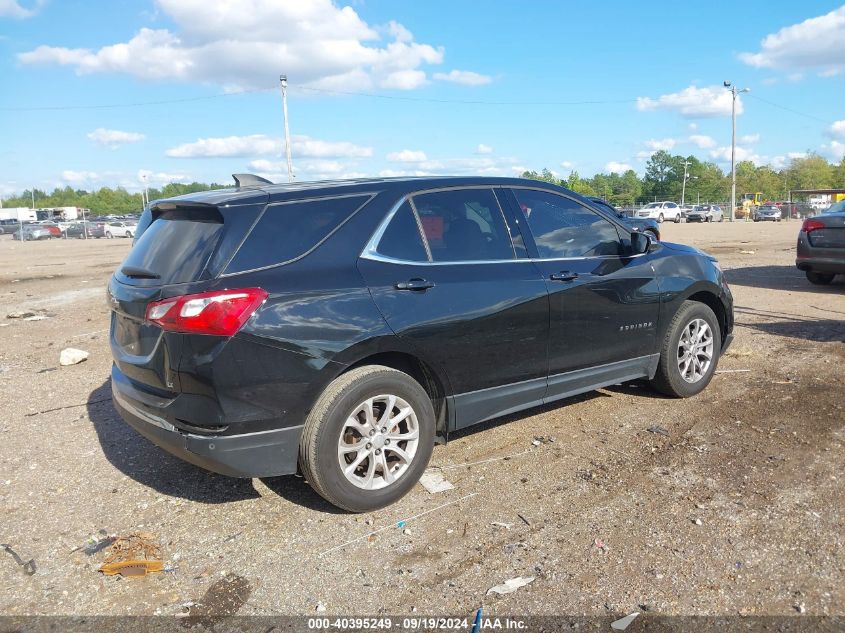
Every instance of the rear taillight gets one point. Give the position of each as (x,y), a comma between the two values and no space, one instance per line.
(812,225)
(221,313)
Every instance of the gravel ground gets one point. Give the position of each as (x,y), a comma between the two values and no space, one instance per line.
(736,509)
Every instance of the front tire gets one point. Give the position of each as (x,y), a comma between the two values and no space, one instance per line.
(690,351)
(368,438)
(819,279)
(660,218)
(677,218)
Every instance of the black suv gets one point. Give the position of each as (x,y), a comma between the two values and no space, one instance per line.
(337,327)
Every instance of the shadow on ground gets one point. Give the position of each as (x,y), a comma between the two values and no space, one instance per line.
(781,278)
(141,460)
(793,325)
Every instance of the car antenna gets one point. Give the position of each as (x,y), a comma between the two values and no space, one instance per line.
(249,180)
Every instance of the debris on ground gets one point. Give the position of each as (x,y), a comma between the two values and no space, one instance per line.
(732,371)
(511,585)
(506,526)
(659,430)
(222,599)
(697,521)
(542,439)
(623,623)
(747,252)
(433,481)
(96,543)
(72,356)
(28,566)
(600,544)
(320,608)
(799,607)
(524,520)
(22,314)
(35,317)
(135,555)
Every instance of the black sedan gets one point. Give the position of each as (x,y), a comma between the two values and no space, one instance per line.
(646,225)
(821,245)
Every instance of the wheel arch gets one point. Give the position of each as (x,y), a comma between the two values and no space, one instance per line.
(712,301)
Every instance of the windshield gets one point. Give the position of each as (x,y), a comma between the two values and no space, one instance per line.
(837,207)
(652,205)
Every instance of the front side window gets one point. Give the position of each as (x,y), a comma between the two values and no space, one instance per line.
(463,225)
(563,228)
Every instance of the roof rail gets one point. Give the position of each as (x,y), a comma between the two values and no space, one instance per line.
(249,180)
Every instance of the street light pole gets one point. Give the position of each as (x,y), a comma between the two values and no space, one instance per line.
(284,81)
(734,92)
(684,185)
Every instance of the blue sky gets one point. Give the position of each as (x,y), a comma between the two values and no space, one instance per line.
(439,87)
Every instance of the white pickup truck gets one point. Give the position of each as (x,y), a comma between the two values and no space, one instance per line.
(661,211)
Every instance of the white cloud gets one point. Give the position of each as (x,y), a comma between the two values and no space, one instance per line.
(723,154)
(702,140)
(246,44)
(94,180)
(693,102)
(114,138)
(73,177)
(835,150)
(14,9)
(749,139)
(407,156)
(464,77)
(568,165)
(615,167)
(263,145)
(658,144)
(159,178)
(837,129)
(486,149)
(815,43)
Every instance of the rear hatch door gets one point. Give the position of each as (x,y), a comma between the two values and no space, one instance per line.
(184,244)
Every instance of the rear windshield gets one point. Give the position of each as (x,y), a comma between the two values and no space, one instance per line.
(288,230)
(177,245)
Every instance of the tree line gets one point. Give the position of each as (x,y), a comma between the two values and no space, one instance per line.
(664,176)
(662,180)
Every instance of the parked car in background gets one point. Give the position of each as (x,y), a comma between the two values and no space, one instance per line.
(33,232)
(661,211)
(766,213)
(80,229)
(336,328)
(120,229)
(706,213)
(821,245)
(7,227)
(638,224)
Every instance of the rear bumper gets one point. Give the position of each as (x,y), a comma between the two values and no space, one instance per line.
(260,454)
(819,260)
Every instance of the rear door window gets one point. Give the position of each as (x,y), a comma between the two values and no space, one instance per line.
(464,225)
(289,230)
(402,238)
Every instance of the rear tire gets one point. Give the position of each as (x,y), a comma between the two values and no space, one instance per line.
(819,279)
(677,219)
(340,420)
(690,351)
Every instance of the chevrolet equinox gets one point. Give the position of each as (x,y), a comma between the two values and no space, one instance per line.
(336,328)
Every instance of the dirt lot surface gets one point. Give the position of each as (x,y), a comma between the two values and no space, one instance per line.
(738,508)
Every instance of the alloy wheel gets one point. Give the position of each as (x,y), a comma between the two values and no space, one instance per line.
(378,442)
(695,350)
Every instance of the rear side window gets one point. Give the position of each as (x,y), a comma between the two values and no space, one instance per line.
(291,229)
(401,238)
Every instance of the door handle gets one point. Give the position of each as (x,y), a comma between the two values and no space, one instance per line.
(414,284)
(564,275)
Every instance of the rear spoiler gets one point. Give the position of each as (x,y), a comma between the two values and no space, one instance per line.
(249,180)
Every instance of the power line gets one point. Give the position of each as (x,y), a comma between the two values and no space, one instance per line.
(783,107)
(372,95)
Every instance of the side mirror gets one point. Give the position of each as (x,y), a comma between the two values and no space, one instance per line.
(640,243)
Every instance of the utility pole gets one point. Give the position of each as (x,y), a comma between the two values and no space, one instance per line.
(684,185)
(734,92)
(284,81)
